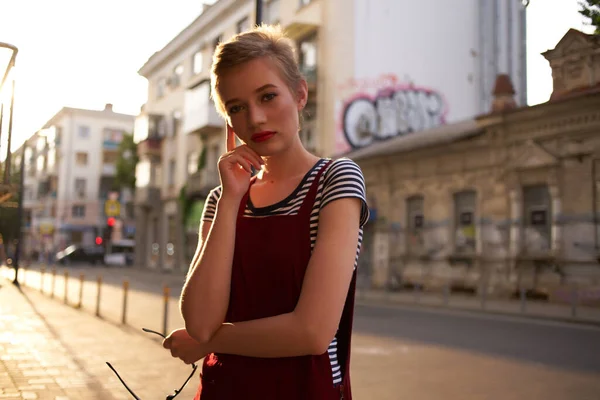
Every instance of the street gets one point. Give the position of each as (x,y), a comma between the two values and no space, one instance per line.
(401,352)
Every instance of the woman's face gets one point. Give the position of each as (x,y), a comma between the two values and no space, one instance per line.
(261,109)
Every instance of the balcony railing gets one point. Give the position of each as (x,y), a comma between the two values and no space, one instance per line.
(200,113)
(202,182)
(148,196)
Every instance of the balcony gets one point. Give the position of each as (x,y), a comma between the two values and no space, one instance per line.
(303,21)
(201,116)
(148,196)
(200,183)
(149,126)
(150,147)
(109,169)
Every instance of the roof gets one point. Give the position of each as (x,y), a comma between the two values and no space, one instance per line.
(437,136)
(68,110)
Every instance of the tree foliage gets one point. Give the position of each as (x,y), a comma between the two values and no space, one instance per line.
(591,10)
(126,162)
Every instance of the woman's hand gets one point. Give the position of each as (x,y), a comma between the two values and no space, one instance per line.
(184,347)
(235,168)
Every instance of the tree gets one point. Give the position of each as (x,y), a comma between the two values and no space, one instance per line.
(126,162)
(591,10)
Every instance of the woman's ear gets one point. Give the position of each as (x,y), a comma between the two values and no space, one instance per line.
(302,94)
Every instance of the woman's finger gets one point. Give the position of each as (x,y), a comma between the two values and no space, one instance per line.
(251,155)
(230,144)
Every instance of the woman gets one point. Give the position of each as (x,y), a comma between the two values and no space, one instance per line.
(269,297)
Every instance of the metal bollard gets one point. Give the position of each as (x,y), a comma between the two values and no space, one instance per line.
(99,285)
(42,274)
(52,283)
(125,292)
(65,300)
(574,301)
(166,292)
(81,281)
(523,300)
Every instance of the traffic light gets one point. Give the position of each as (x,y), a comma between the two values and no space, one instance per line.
(98,240)
(110,223)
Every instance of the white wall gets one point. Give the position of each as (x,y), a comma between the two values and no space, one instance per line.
(430,56)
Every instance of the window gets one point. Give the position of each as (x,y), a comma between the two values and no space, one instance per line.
(308,53)
(414,224)
(176,120)
(171,175)
(177,75)
(243,25)
(192,163)
(78,211)
(198,62)
(110,157)
(537,218)
(83,131)
(81,158)
(216,41)
(271,11)
(80,187)
(464,222)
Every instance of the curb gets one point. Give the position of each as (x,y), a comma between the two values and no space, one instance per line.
(442,308)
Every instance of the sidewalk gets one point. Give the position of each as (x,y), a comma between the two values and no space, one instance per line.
(152,281)
(52,351)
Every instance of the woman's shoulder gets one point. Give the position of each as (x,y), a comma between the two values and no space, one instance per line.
(342,167)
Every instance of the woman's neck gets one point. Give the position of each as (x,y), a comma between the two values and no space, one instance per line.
(290,164)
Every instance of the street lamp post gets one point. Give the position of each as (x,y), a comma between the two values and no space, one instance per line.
(259,10)
(8,55)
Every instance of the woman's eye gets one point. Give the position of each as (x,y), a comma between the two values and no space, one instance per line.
(269,96)
(234,109)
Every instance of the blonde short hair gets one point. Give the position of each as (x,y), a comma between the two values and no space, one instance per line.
(261,41)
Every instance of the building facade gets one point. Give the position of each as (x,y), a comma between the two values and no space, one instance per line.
(501,202)
(69,174)
(365,86)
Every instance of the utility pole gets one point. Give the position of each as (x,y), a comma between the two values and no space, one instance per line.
(7,162)
(259,10)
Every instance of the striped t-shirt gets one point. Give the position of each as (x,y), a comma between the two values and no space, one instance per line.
(342,179)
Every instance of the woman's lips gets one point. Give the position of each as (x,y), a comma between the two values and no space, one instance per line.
(262,136)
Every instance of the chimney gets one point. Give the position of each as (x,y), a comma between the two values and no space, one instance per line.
(108,107)
(504,95)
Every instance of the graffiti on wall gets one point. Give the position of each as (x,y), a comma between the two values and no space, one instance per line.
(385,108)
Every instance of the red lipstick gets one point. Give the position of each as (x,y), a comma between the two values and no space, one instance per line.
(262,136)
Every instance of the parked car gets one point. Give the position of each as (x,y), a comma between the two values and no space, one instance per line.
(81,254)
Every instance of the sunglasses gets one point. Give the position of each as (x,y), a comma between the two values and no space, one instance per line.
(170,396)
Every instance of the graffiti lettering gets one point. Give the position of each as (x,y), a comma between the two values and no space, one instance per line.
(394,111)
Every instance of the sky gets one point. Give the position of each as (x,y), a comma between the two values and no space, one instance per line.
(85,54)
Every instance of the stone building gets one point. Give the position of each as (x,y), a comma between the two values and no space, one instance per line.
(504,201)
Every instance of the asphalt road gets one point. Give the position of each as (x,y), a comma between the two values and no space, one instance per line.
(403,352)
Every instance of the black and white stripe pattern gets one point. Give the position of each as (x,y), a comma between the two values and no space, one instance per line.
(342,178)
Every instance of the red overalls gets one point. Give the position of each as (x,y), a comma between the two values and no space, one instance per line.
(270,258)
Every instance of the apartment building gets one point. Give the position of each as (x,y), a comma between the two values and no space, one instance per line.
(375,71)
(69,174)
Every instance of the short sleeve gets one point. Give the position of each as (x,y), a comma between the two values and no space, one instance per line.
(210,207)
(343,179)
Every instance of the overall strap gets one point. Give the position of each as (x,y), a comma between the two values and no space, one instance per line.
(309,200)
